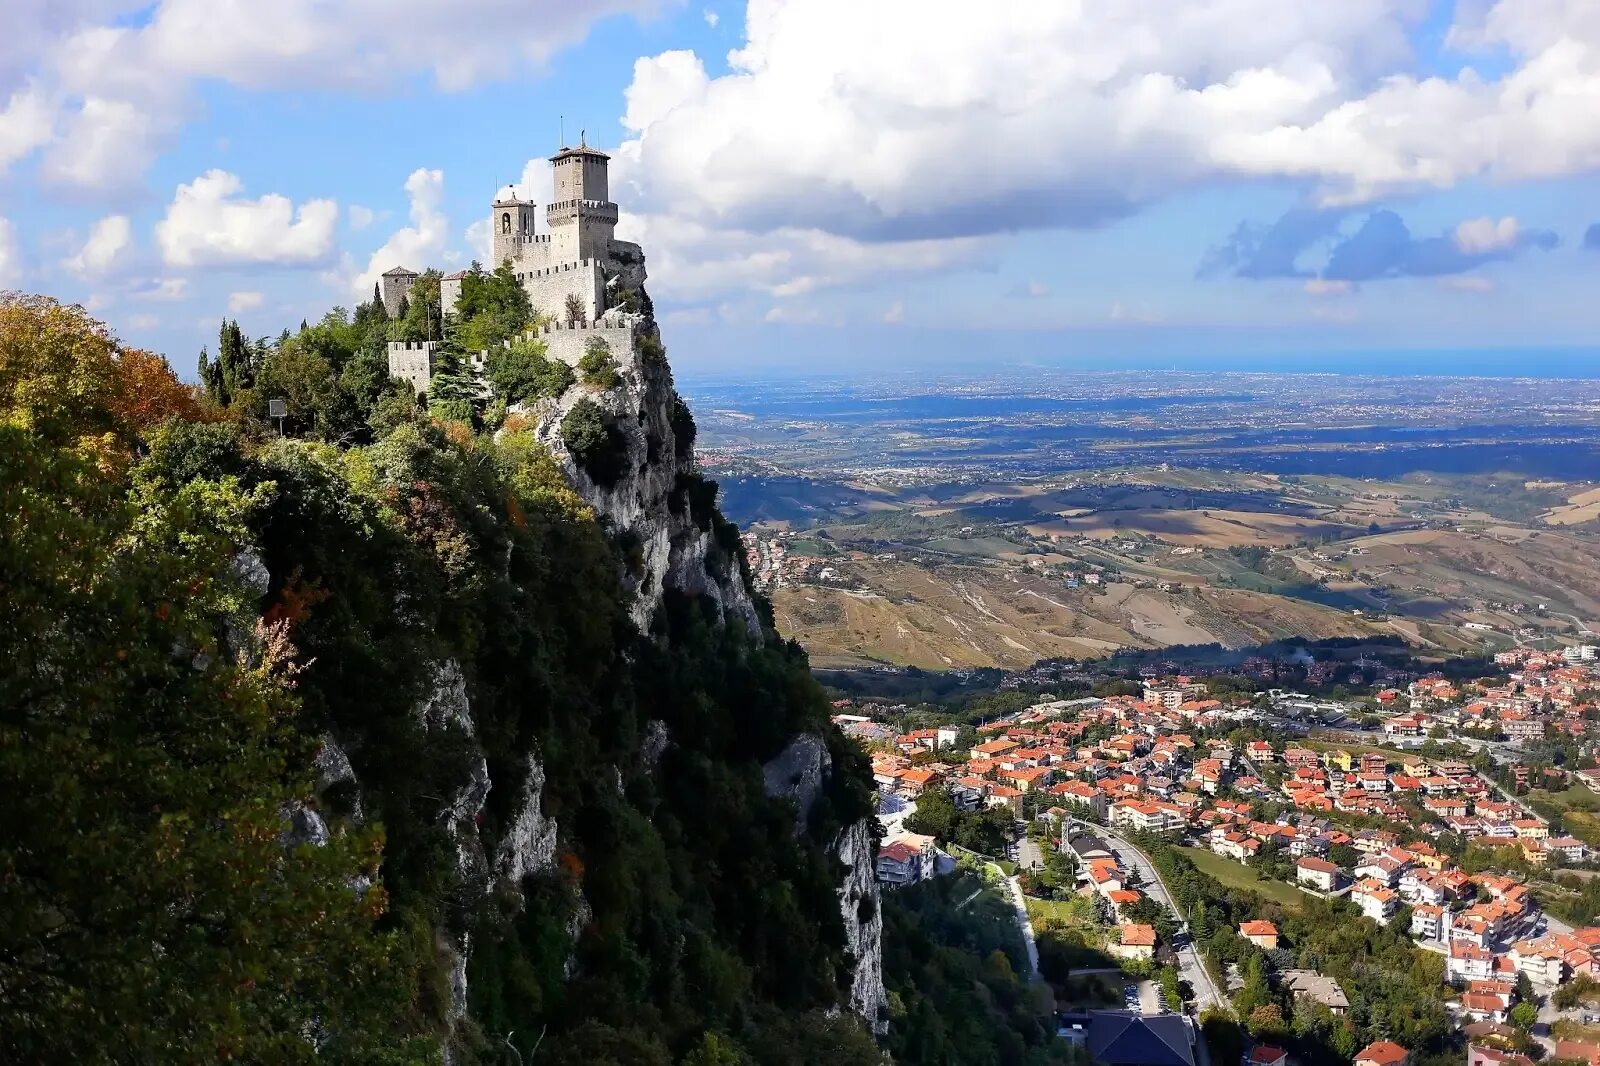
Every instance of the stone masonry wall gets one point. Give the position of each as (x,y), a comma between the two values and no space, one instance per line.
(567,344)
(547,289)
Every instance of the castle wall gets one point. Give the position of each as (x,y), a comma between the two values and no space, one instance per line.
(548,288)
(507,243)
(567,345)
(536,252)
(392,288)
(412,361)
(449,294)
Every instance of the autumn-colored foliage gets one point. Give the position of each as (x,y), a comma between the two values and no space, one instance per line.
(147,391)
(64,375)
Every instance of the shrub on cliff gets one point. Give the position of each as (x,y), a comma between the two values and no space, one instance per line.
(599,370)
(594,442)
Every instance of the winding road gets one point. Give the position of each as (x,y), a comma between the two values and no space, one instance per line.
(1191,967)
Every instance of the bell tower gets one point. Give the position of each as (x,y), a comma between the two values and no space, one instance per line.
(511,222)
(581,216)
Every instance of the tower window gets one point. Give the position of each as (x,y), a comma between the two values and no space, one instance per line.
(505,222)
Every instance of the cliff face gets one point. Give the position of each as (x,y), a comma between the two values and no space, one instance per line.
(649,505)
(455,743)
(800,773)
(613,755)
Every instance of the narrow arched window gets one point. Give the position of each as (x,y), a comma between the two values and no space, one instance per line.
(505,222)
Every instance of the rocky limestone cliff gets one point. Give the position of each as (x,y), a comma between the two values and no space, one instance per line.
(799,773)
(648,504)
(669,543)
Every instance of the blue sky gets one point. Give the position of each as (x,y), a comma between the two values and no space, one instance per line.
(840,185)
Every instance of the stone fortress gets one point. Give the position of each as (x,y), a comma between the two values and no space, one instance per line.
(578,276)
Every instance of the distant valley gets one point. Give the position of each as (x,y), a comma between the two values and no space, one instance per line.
(1285,506)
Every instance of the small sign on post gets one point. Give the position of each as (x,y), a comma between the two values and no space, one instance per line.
(278,409)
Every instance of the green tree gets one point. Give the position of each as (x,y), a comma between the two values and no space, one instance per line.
(598,368)
(148,902)
(1523,1015)
(522,371)
(234,371)
(453,380)
(714,1050)
(421,317)
(594,442)
(493,307)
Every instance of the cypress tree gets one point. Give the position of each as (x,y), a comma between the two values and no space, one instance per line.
(211,378)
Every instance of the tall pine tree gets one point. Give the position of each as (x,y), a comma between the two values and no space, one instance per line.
(453,378)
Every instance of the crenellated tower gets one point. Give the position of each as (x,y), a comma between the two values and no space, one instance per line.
(511,221)
(581,217)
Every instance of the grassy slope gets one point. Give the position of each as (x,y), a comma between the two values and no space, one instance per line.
(1235,875)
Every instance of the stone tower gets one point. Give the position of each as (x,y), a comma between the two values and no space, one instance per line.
(511,222)
(581,217)
(393,286)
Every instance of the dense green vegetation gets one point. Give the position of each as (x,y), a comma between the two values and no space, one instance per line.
(957,983)
(984,830)
(594,441)
(153,734)
(522,371)
(598,368)
(149,743)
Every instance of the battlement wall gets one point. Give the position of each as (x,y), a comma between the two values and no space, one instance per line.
(558,268)
(548,288)
(412,362)
(568,343)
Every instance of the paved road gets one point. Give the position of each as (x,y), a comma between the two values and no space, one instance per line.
(1190,966)
(1015,888)
(1512,799)
(1029,855)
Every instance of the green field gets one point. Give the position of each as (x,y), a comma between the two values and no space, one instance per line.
(1575,798)
(1074,912)
(1576,808)
(1235,875)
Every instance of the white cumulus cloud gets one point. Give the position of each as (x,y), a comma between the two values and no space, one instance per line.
(924,121)
(209,224)
(10,254)
(108,241)
(106,84)
(418,245)
(1482,236)
(244,301)
(162,289)
(26,122)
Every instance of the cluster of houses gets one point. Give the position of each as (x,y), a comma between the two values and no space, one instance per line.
(1135,763)
(906,858)
(1544,693)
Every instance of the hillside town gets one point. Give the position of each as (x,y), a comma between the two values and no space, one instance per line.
(1428,823)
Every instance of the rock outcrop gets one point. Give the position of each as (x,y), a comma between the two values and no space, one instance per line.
(799,773)
(650,505)
(661,515)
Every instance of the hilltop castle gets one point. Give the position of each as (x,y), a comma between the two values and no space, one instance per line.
(578,265)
